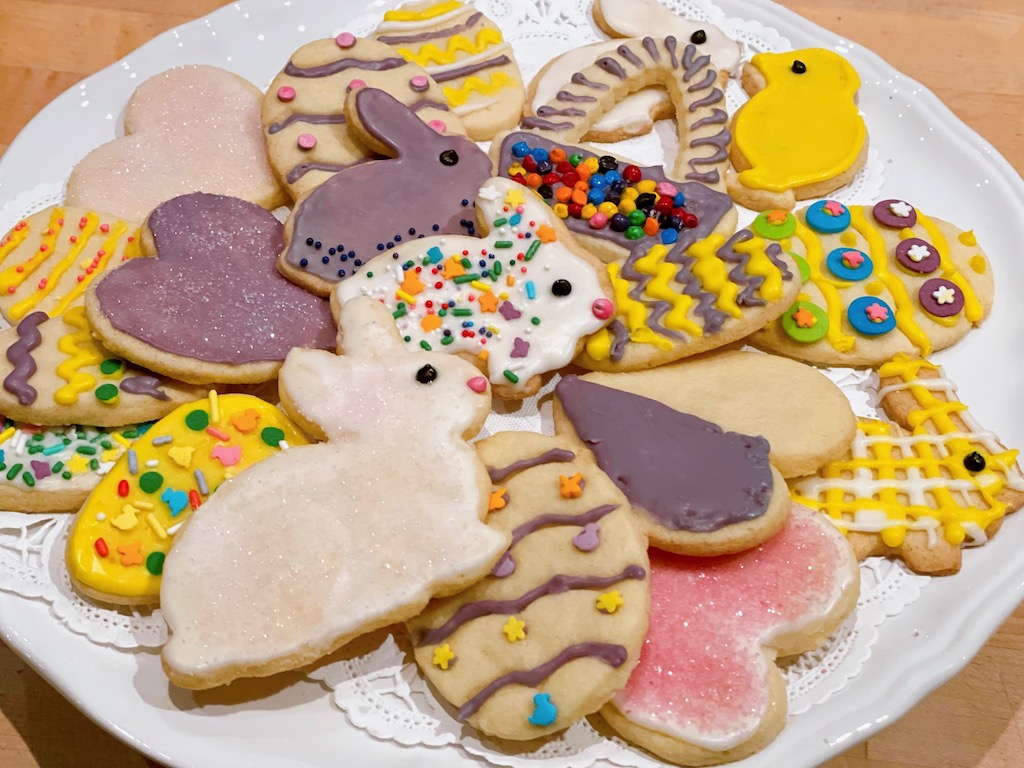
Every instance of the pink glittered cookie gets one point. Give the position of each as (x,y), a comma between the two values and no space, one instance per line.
(706,689)
(188,129)
(210,306)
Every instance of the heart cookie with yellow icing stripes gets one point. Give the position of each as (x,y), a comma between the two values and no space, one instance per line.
(124,530)
(878,281)
(48,259)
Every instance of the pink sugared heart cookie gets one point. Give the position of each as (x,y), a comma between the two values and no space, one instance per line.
(706,689)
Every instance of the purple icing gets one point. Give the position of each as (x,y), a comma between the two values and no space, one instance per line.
(20,355)
(144,385)
(588,539)
(547,111)
(504,568)
(611,66)
(612,655)
(717,117)
(573,97)
(625,52)
(554,456)
(213,292)
(470,69)
(620,338)
(712,98)
(300,117)
(508,311)
(691,65)
(670,46)
(540,124)
(520,347)
(709,79)
(416,106)
(925,266)
(432,35)
(334,67)
(884,215)
(430,192)
(40,469)
(507,565)
(652,49)
(686,473)
(931,304)
(578,78)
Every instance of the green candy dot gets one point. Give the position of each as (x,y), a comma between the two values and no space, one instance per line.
(802,265)
(155,563)
(637,217)
(197,420)
(575,158)
(150,482)
(110,366)
(66,475)
(805,335)
(535,320)
(272,436)
(106,392)
(765,228)
(634,233)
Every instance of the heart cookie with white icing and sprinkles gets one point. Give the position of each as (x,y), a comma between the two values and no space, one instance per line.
(878,281)
(557,626)
(125,529)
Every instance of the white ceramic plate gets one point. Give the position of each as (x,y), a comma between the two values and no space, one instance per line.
(931,158)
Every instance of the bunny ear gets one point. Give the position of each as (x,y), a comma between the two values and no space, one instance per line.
(386,124)
(367,329)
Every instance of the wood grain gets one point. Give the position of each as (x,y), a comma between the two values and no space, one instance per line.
(968,54)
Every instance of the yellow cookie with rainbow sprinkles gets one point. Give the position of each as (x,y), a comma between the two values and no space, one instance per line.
(48,259)
(123,532)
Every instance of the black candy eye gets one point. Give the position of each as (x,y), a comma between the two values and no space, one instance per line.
(699,37)
(974,462)
(561,288)
(426,374)
(449,157)
(798,67)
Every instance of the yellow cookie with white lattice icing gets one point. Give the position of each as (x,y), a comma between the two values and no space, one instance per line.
(55,372)
(48,259)
(122,534)
(923,487)
(878,281)
(465,52)
(557,626)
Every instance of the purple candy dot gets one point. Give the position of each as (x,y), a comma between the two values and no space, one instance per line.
(941,298)
(887,217)
(908,254)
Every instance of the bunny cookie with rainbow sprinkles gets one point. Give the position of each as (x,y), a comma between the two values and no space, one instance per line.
(479,383)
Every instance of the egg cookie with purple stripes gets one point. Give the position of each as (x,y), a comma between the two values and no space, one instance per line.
(558,625)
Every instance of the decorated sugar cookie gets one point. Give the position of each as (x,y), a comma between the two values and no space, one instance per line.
(696,489)
(189,129)
(125,529)
(518,300)
(683,283)
(308,136)
(465,53)
(923,487)
(707,690)
(326,542)
(878,281)
(48,259)
(54,469)
(54,371)
(210,305)
(500,651)
(430,179)
(800,135)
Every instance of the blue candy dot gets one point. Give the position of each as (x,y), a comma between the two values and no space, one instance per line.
(858,316)
(820,220)
(840,269)
(520,149)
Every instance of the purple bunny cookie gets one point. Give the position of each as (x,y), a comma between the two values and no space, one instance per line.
(425,186)
(210,305)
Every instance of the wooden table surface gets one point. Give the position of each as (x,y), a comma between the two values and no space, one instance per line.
(967,53)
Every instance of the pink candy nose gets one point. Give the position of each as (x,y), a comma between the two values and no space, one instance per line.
(477,384)
(602,309)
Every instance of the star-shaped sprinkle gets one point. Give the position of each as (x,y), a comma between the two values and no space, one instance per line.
(853,259)
(776,217)
(944,294)
(131,553)
(900,208)
(833,208)
(514,629)
(430,322)
(610,602)
(917,253)
(443,656)
(876,313)
(77,464)
(488,302)
(499,498)
(804,318)
(546,234)
(514,197)
(412,283)
(452,268)
(571,487)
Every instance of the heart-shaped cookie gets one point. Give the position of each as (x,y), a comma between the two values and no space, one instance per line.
(211,305)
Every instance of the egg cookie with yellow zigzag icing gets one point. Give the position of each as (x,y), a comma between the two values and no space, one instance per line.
(48,259)
(923,486)
(879,281)
(465,53)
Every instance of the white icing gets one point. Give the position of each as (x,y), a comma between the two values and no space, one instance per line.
(405,27)
(328,540)
(642,18)
(563,319)
(490,52)
(475,104)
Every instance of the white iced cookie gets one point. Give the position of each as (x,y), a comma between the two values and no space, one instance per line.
(519,300)
(326,542)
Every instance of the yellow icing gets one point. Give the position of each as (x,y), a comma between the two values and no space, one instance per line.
(116,231)
(440,9)
(978,263)
(121,526)
(635,313)
(828,286)
(972,307)
(967,238)
(21,308)
(659,287)
(432,54)
(81,350)
(473,84)
(15,275)
(800,129)
(15,237)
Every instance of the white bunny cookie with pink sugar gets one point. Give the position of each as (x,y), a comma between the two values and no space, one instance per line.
(326,542)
